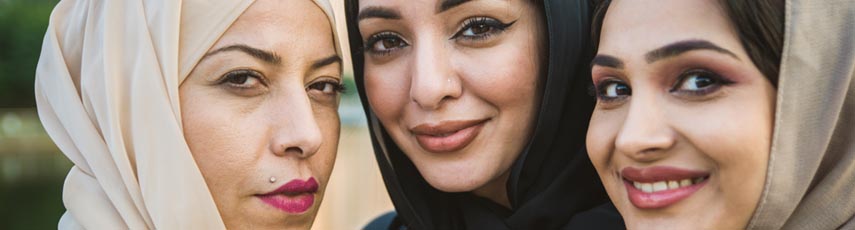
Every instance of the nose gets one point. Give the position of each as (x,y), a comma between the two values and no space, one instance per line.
(433,77)
(294,128)
(646,134)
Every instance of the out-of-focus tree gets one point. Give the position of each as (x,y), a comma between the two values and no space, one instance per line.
(22,29)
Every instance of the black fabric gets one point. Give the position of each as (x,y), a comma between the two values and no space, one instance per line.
(551,182)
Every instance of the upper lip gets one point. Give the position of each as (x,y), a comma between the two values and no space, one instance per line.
(444,127)
(660,173)
(295,187)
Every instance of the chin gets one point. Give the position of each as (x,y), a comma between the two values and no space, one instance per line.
(448,178)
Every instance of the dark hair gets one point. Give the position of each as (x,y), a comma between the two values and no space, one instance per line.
(758,23)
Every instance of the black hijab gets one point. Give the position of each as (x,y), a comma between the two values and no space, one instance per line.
(552,180)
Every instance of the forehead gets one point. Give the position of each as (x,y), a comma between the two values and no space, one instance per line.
(634,27)
(282,26)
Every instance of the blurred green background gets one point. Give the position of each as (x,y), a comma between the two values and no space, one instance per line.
(32,169)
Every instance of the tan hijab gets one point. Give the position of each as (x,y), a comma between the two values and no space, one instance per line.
(810,182)
(107,94)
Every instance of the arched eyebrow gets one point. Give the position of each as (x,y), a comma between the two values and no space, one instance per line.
(326,61)
(378,12)
(387,13)
(664,52)
(448,4)
(266,56)
(680,47)
(607,61)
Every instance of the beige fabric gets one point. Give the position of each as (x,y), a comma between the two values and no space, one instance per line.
(810,182)
(107,94)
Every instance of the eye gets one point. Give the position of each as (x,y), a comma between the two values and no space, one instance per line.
(384,43)
(242,79)
(699,82)
(613,90)
(327,87)
(480,28)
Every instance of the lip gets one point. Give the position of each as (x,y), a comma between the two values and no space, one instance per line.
(665,198)
(295,197)
(447,136)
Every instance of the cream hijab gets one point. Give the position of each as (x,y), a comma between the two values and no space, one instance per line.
(107,94)
(810,181)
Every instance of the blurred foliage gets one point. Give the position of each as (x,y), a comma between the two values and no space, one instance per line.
(22,28)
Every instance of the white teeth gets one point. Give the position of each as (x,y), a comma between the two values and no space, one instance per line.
(647,187)
(665,185)
(673,184)
(660,186)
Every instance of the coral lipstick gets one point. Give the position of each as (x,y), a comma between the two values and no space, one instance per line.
(295,197)
(447,136)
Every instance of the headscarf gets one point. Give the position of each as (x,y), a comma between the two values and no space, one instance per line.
(107,94)
(810,181)
(550,182)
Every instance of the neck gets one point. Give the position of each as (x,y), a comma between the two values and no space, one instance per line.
(496,190)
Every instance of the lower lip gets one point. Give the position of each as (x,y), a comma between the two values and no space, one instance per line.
(456,141)
(660,199)
(295,204)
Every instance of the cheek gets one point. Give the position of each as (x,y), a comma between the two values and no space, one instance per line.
(322,162)
(602,131)
(218,135)
(387,87)
(735,133)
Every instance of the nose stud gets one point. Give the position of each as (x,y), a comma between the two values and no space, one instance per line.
(272,180)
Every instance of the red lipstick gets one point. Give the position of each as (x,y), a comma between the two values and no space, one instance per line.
(447,136)
(295,197)
(661,186)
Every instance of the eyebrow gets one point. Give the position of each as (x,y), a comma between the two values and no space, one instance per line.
(265,56)
(681,47)
(607,61)
(378,12)
(326,61)
(448,4)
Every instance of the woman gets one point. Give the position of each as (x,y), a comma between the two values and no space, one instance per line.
(695,128)
(464,99)
(194,115)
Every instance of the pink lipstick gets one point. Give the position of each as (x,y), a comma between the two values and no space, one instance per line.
(447,136)
(295,197)
(660,186)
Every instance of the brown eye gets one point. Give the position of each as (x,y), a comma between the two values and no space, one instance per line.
(391,42)
(242,79)
(237,79)
(481,28)
(327,87)
(384,43)
(699,82)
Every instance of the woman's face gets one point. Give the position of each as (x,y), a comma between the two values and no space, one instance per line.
(260,115)
(455,84)
(681,132)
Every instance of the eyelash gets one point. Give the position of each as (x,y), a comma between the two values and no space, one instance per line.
(339,88)
(495,27)
(716,82)
(600,90)
(374,39)
(224,80)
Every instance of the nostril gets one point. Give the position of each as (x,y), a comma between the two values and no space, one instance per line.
(296,150)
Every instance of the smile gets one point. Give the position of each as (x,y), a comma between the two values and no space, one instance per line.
(660,187)
(447,136)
